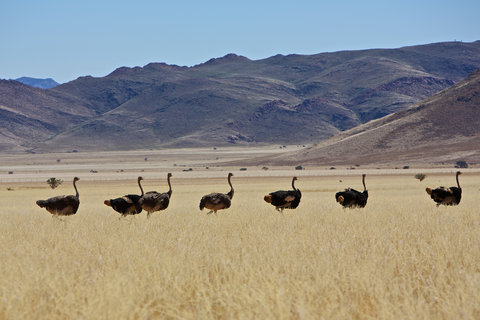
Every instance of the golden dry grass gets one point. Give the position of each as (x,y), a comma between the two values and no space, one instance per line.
(400,257)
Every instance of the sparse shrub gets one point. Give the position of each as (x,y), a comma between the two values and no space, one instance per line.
(406,167)
(420,176)
(10,172)
(54,182)
(59,160)
(243,169)
(265,168)
(299,168)
(461,164)
(332,168)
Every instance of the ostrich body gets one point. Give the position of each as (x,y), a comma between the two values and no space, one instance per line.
(218,201)
(282,199)
(153,201)
(62,205)
(351,198)
(447,196)
(128,204)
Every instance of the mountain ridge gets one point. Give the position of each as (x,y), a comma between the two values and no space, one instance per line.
(235,100)
(47,83)
(441,129)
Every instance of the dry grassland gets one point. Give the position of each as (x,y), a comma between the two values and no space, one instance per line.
(399,258)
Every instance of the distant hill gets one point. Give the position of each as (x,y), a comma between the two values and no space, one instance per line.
(442,129)
(29,116)
(38,83)
(235,100)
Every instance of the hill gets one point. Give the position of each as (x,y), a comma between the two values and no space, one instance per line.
(442,129)
(235,100)
(29,116)
(38,83)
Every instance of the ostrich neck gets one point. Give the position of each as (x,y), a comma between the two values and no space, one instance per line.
(140,185)
(169,185)
(76,190)
(363,181)
(293,184)
(458,183)
(230,194)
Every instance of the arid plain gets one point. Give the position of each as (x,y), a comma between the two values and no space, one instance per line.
(400,257)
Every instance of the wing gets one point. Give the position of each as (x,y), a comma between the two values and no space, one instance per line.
(215,198)
(439,194)
(61,202)
(282,198)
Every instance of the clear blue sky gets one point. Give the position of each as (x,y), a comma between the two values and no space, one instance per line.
(65,39)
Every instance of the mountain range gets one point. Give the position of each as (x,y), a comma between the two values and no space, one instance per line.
(38,83)
(440,130)
(229,100)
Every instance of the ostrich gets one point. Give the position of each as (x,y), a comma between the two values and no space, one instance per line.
(351,198)
(62,205)
(128,204)
(217,201)
(284,199)
(153,201)
(447,196)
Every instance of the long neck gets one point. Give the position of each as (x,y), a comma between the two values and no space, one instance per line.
(293,184)
(230,194)
(363,181)
(458,183)
(141,189)
(169,186)
(75,186)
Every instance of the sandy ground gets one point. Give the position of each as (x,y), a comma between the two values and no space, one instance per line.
(185,164)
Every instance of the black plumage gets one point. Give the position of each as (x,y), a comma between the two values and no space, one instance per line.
(351,198)
(62,205)
(447,196)
(218,201)
(128,204)
(282,199)
(154,201)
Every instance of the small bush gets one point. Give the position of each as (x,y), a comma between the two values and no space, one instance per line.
(461,164)
(420,176)
(54,182)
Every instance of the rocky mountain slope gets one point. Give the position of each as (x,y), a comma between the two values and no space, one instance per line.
(442,129)
(231,100)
